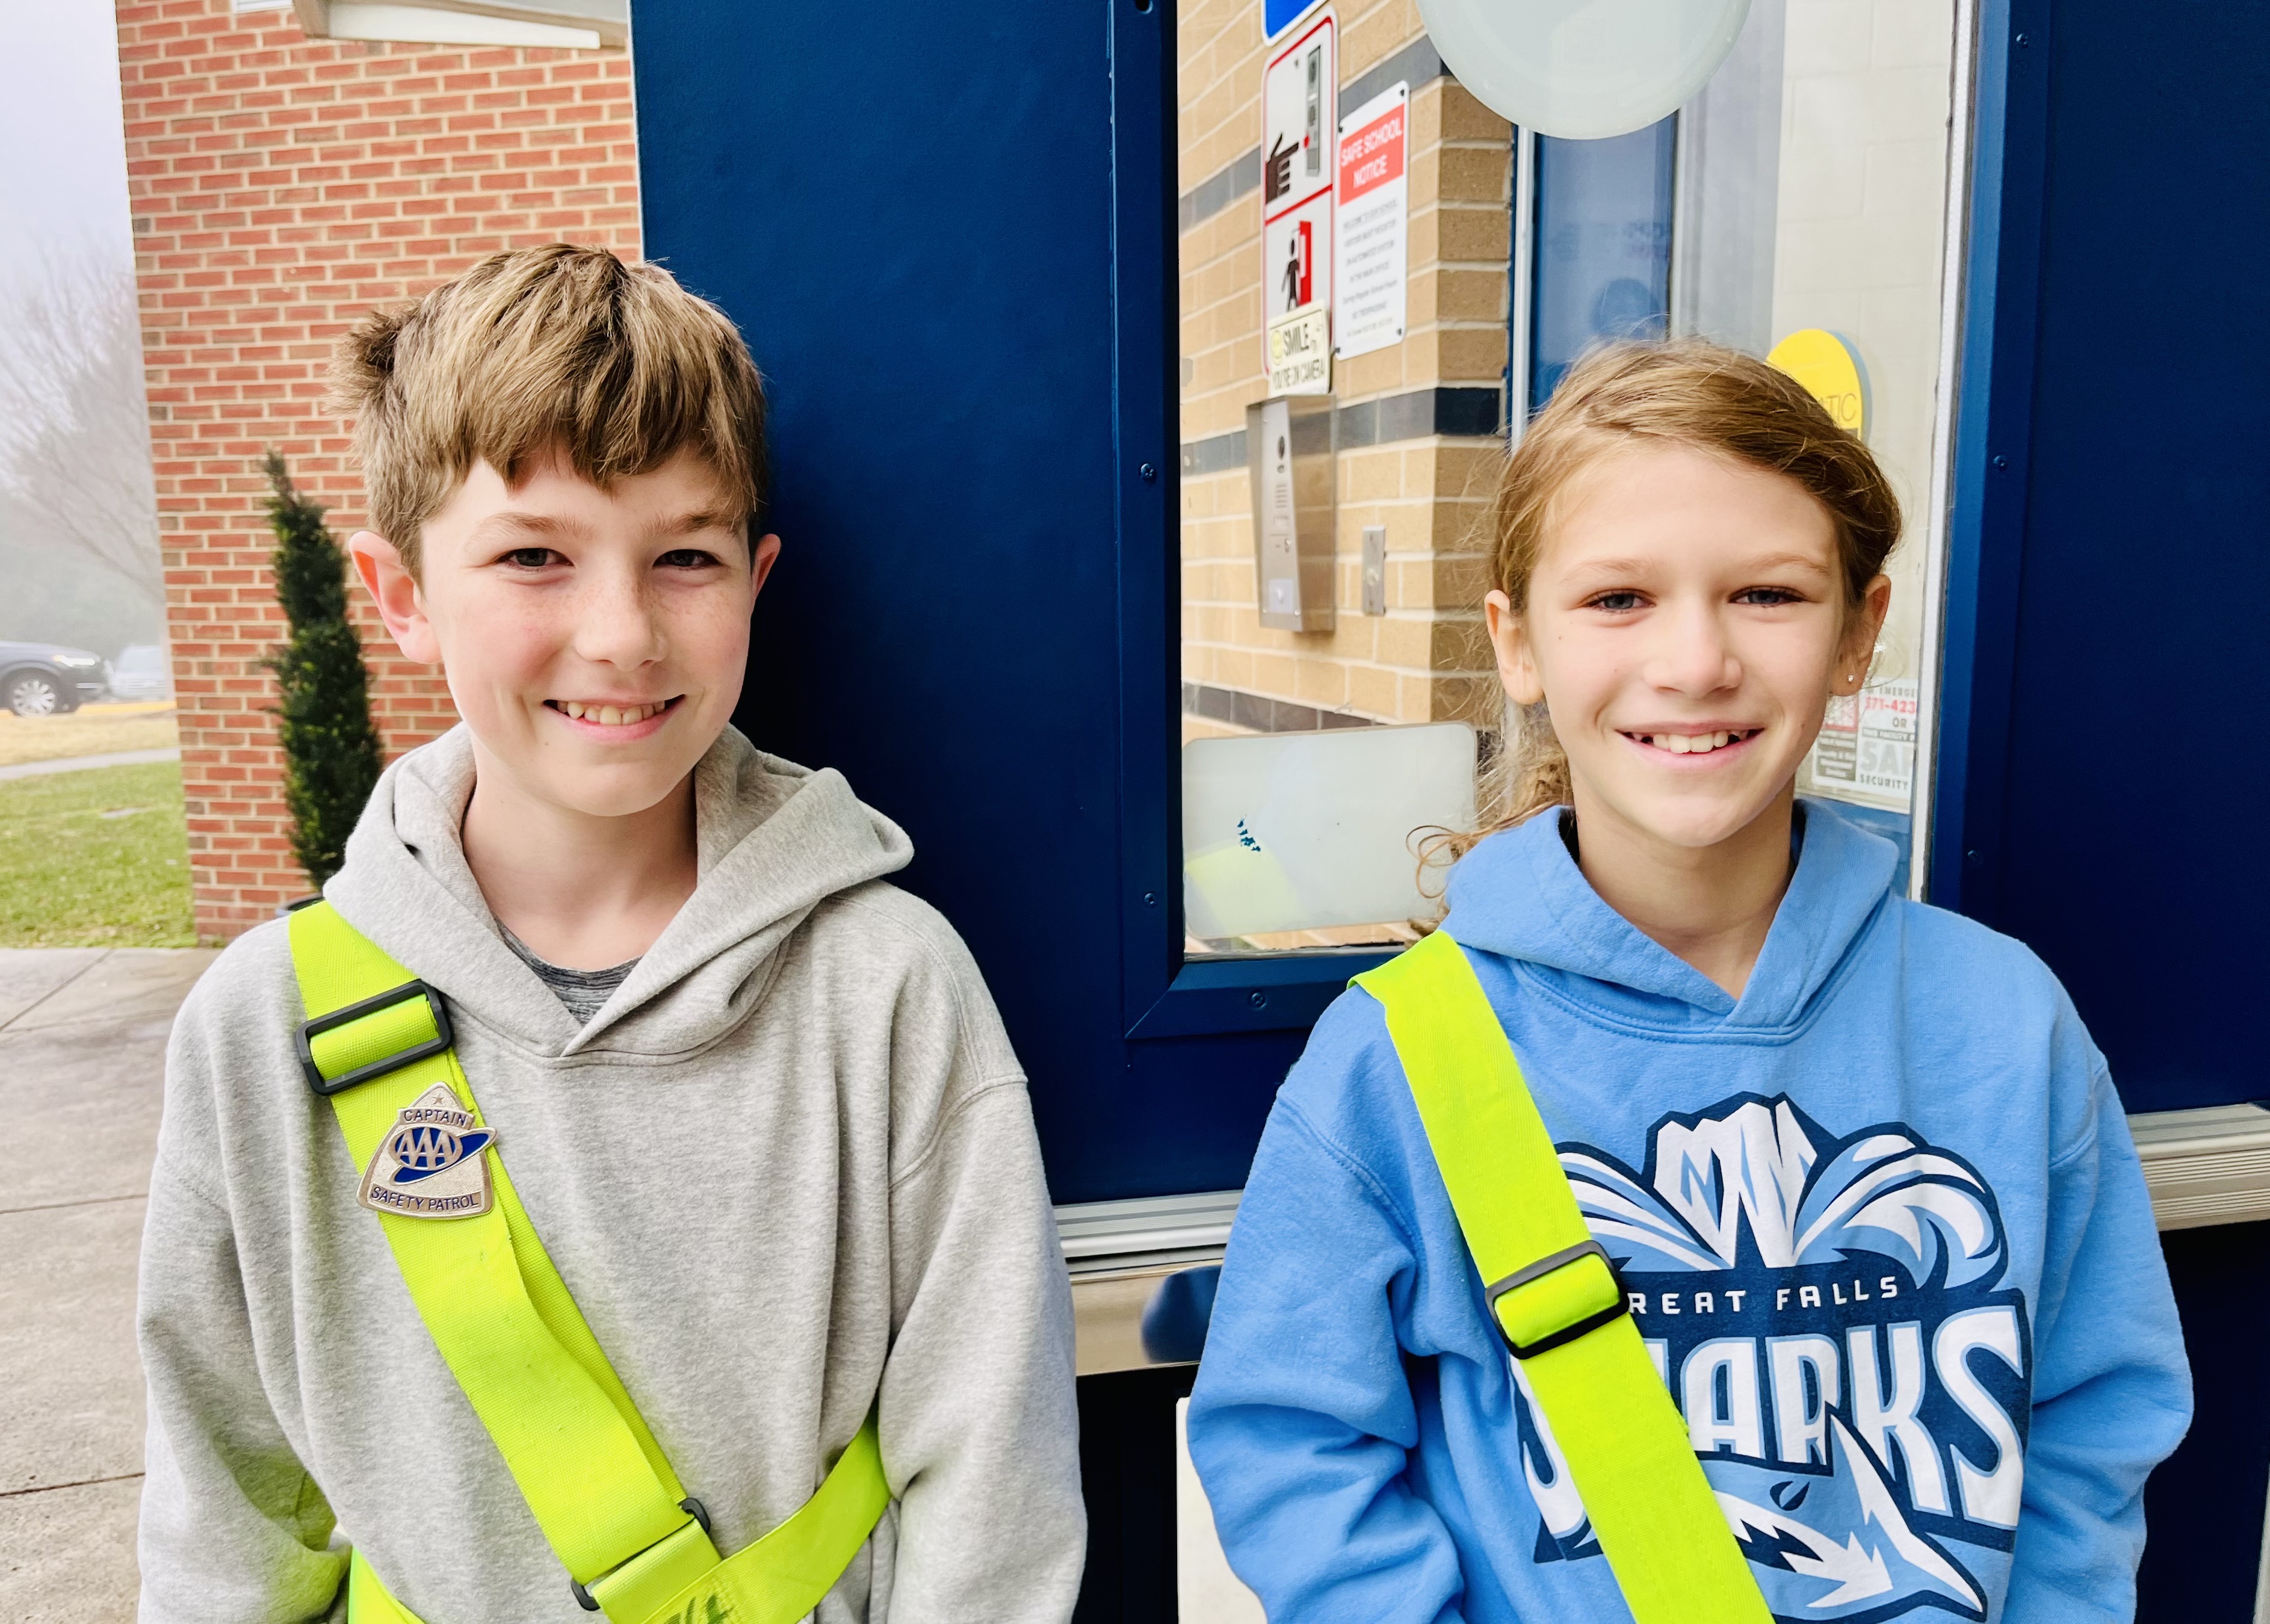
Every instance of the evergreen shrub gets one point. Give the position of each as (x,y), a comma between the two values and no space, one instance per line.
(331,745)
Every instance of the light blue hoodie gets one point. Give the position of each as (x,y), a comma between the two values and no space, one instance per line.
(1898,1264)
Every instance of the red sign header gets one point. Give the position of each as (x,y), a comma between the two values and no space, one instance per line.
(1372,156)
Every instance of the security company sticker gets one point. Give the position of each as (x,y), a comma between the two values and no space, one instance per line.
(430,1163)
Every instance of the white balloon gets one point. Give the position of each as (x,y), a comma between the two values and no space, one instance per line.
(1584,69)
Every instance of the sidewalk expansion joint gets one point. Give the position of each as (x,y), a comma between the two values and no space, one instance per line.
(51,991)
(58,1206)
(49,1489)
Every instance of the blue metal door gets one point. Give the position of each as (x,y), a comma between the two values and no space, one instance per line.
(2110,558)
(948,234)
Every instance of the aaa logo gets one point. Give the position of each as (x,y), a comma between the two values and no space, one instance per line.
(423,1150)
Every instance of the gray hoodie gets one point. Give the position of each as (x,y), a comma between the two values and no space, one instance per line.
(788,1170)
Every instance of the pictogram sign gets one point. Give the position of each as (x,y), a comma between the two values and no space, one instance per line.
(1300,98)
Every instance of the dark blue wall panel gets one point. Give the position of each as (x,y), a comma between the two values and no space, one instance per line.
(946,233)
(2123,838)
(2144,620)
(2203,1509)
(2109,560)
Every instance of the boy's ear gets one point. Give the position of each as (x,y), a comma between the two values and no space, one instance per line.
(395,589)
(1517,665)
(763,556)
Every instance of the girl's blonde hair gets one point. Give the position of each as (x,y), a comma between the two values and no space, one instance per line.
(1681,393)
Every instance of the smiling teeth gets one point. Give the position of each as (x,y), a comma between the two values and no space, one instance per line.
(611,716)
(1691,743)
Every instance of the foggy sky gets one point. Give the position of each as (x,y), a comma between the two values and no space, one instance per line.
(62,151)
(62,214)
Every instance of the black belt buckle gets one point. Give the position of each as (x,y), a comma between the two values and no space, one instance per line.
(1538,1271)
(444,1038)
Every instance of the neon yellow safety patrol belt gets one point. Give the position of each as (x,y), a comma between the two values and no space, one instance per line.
(1557,1301)
(634,1544)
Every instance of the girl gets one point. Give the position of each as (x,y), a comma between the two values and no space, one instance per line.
(1869,1194)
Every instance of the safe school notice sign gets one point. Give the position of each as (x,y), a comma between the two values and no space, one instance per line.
(1371,253)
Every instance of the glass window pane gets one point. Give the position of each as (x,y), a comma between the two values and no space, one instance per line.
(1298,835)
(1344,233)
(1813,193)
(1349,306)
(1806,209)
(1603,245)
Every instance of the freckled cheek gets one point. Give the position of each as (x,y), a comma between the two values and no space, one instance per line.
(506,649)
(526,652)
(710,644)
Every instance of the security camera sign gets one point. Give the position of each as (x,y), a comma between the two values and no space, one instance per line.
(1865,752)
(1297,251)
(1300,98)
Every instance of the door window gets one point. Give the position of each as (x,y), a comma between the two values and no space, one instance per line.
(1379,280)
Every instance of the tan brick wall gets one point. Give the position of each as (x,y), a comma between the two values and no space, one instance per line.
(1425,660)
(281,186)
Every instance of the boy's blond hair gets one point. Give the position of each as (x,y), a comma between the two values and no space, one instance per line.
(540,351)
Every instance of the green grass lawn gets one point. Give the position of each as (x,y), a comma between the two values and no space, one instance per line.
(98,858)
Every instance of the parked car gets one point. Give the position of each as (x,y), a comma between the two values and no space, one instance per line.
(140,672)
(48,679)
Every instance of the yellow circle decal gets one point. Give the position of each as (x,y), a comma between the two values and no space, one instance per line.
(1825,364)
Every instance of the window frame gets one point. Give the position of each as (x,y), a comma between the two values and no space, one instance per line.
(1165,994)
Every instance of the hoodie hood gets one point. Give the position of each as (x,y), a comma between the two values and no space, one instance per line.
(774,840)
(1520,895)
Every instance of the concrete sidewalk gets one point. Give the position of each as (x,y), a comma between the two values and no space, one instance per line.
(79,764)
(82,1060)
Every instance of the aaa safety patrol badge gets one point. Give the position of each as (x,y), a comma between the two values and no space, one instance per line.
(430,1165)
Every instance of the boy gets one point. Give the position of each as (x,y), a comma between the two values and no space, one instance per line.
(756,1107)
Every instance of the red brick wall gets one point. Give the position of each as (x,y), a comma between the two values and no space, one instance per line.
(281,186)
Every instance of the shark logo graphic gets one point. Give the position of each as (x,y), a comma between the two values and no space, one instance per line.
(1828,1314)
(1842,1543)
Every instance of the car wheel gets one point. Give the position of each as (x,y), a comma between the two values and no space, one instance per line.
(35,694)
